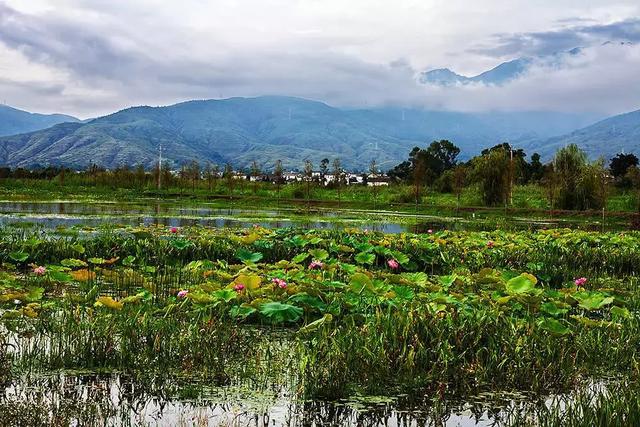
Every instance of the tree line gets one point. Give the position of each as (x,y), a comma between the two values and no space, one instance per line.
(570,180)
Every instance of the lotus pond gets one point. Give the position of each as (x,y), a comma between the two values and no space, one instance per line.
(157,325)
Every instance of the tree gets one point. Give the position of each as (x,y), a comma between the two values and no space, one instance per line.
(633,176)
(418,161)
(551,184)
(568,164)
(536,168)
(324,169)
(492,171)
(93,172)
(592,187)
(210,175)
(255,173)
(620,164)
(166,176)
(228,177)
(193,173)
(425,165)
(140,176)
(442,156)
(373,168)
(459,181)
(277,175)
(373,173)
(183,176)
(337,175)
(401,172)
(62,173)
(308,176)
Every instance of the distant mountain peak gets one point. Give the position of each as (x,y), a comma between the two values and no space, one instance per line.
(498,75)
(504,72)
(442,77)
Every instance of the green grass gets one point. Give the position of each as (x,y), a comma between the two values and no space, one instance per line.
(528,197)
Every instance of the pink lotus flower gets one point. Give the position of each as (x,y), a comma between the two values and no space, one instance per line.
(393,264)
(239,287)
(173,230)
(183,293)
(430,231)
(490,244)
(314,265)
(581,281)
(39,271)
(279,283)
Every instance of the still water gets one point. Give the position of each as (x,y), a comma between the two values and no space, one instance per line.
(90,399)
(152,212)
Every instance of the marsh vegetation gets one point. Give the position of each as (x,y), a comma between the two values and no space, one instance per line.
(255,325)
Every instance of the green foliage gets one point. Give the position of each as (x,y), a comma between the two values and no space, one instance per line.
(280,313)
(492,172)
(459,314)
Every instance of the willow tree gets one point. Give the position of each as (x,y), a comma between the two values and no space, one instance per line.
(492,171)
(568,165)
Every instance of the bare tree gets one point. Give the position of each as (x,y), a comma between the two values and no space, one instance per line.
(337,176)
(255,173)
(551,183)
(228,177)
(459,181)
(193,172)
(308,176)
(373,173)
(277,175)
(208,175)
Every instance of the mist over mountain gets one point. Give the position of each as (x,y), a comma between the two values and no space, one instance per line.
(265,129)
(502,73)
(14,121)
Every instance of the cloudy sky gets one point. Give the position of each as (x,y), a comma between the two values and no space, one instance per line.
(91,57)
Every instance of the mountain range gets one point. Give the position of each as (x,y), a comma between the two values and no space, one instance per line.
(14,121)
(264,129)
(606,138)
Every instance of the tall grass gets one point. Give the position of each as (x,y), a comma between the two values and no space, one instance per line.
(413,349)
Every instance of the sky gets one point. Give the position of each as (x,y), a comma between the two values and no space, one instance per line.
(92,57)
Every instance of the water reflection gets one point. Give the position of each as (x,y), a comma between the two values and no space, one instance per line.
(116,399)
(52,215)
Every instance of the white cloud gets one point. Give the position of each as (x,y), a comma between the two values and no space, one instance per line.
(602,79)
(89,57)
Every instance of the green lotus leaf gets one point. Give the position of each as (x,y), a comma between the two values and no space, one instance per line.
(554,326)
(278,312)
